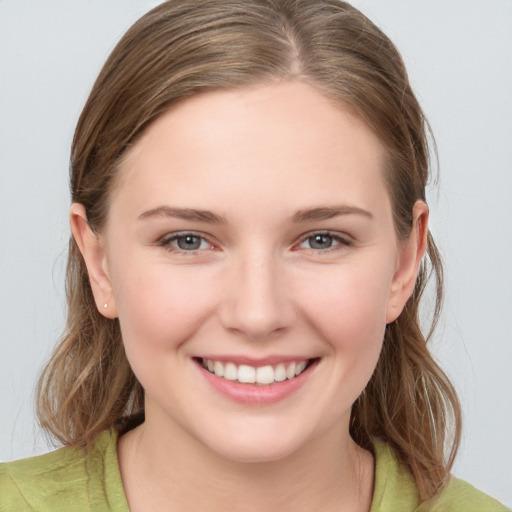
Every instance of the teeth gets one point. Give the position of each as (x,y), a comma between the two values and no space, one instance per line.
(280,373)
(230,372)
(218,369)
(290,371)
(246,374)
(264,375)
(300,367)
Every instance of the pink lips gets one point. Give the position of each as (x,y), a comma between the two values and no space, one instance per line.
(255,394)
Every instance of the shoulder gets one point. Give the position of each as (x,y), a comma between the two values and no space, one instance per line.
(396,491)
(460,496)
(37,483)
(66,479)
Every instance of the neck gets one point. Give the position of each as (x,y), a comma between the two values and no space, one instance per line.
(171,472)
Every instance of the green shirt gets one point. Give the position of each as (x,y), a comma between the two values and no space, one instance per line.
(67,480)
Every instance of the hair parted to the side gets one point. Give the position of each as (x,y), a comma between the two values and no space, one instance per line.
(184,47)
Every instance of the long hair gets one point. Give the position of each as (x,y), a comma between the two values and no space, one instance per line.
(182,48)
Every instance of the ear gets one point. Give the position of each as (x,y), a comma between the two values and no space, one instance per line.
(94,255)
(411,253)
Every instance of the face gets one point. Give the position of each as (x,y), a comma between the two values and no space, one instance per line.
(251,258)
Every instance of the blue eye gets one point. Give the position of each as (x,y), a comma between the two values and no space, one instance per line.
(188,242)
(323,241)
(185,242)
(320,241)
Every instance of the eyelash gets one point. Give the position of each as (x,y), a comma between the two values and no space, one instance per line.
(167,242)
(338,240)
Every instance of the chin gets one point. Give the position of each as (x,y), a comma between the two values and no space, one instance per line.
(256,445)
(255,453)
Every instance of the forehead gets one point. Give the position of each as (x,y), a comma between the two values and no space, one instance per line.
(254,142)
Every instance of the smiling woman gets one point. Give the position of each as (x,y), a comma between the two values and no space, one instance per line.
(250,247)
(247,293)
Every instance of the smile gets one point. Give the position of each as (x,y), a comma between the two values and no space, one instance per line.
(263,375)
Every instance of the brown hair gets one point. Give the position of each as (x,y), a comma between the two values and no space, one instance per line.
(179,49)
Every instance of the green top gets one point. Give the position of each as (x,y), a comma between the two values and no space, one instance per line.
(67,480)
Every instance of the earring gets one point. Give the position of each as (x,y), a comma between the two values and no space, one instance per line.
(105,305)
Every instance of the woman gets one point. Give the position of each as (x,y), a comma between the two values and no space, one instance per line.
(249,231)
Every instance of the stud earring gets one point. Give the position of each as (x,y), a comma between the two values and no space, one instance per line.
(105,305)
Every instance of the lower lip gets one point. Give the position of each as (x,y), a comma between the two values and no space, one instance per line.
(253,394)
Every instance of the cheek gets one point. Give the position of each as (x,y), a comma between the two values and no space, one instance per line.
(349,310)
(352,299)
(159,306)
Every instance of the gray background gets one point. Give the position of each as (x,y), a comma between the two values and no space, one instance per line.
(459,56)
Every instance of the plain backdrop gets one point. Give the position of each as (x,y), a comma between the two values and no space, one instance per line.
(459,56)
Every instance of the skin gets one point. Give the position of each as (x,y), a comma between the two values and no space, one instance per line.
(257,286)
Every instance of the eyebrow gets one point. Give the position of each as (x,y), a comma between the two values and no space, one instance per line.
(185,214)
(192,214)
(329,212)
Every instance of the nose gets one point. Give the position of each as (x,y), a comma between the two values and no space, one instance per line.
(256,301)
